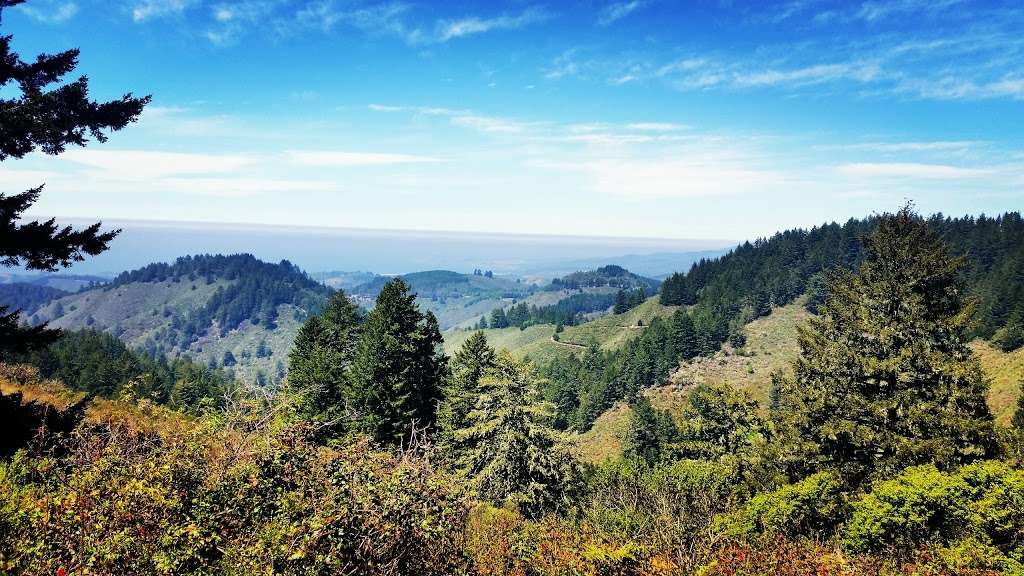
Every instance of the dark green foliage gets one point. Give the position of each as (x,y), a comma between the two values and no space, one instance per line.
(651,434)
(99,364)
(462,388)
(568,311)
(745,283)
(397,369)
(40,111)
(607,276)
(583,388)
(318,373)
(499,319)
(720,421)
(626,301)
(512,455)
(22,423)
(885,378)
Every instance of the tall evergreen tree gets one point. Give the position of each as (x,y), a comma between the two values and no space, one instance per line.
(684,335)
(317,379)
(651,433)
(41,116)
(469,365)
(512,454)
(885,378)
(397,369)
(621,302)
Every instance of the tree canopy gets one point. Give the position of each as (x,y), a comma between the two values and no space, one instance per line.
(48,114)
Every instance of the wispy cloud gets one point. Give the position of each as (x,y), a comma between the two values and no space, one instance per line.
(876,10)
(910,170)
(816,74)
(144,10)
(468,26)
(50,11)
(345,158)
(617,11)
(141,165)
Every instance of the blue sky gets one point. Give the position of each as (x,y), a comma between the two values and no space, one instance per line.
(701,119)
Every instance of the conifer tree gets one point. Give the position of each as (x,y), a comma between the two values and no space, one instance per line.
(397,369)
(651,432)
(317,378)
(621,302)
(684,335)
(469,365)
(34,115)
(513,456)
(885,378)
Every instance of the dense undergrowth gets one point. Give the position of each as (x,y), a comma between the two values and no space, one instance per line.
(136,488)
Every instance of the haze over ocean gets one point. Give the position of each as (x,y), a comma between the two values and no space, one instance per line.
(391,251)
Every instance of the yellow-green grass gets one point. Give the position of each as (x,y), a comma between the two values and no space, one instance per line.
(1006,372)
(536,342)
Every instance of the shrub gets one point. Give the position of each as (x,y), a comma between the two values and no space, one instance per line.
(812,506)
(974,514)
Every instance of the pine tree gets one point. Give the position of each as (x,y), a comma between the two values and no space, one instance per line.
(474,359)
(513,456)
(621,302)
(397,369)
(48,120)
(885,378)
(317,378)
(499,319)
(684,335)
(651,432)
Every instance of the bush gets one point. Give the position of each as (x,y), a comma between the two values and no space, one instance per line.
(226,499)
(976,514)
(812,506)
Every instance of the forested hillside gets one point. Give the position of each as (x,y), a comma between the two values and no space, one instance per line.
(232,312)
(747,282)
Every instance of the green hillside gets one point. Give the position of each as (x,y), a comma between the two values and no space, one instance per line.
(771,346)
(234,312)
(537,343)
(455,298)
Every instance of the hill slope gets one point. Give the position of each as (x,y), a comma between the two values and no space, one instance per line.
(772,345)
(537,343)
(235,312)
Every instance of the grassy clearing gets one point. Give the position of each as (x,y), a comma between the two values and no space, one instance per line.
(1006,371)
(609,332)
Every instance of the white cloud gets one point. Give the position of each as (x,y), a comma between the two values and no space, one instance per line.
(148,9)
(656,126)
(876,10)
(910,170)
(342,158)
(140,165)
(815,74)
(51,11)
(489,124)
(451,29)
(894,147)
(617,11)
(385,108)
